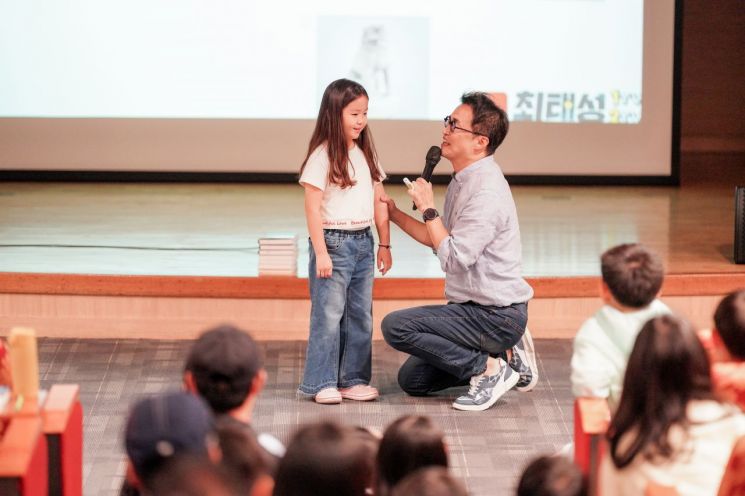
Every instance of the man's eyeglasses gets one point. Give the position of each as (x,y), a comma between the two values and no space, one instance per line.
(452,124)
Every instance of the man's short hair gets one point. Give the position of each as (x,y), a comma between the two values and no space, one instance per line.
(488,119)
(632,273)
(729,321)
(223,362)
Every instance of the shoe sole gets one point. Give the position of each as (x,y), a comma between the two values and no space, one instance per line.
(532,363)
(328,401)
(366,397)
(500,390)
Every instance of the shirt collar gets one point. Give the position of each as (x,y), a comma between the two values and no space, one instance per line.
(464,174)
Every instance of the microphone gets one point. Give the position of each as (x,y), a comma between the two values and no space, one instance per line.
(433,158)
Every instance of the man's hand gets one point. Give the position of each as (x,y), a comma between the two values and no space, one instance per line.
(392,208)
(385,260)
(421,193)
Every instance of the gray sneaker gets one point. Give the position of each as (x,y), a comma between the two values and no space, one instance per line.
(485,390)
(524,362)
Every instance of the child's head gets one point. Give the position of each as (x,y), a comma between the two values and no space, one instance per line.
(729,322)
(342,122)
(632,274)
(551,476)
(409,443)
(430,481)
(326,458)
(667,368)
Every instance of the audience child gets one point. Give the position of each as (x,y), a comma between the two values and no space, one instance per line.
(430,481)
(552,476)
(248,466)
(225,366)
(726,346)
(669,428)
(409,443)
(326,458)
(631,280)
(190,476)
(162,428)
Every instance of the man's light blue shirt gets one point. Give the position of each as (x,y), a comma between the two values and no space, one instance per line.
(482,257)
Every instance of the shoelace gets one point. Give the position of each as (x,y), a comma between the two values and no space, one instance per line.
(475,381)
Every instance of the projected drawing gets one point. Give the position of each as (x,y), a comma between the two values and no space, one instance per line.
(371,65)
(389,56)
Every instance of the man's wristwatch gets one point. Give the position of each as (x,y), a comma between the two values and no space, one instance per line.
(430,214)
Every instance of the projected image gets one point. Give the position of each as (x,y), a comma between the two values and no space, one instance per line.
(388,56)
(558,61)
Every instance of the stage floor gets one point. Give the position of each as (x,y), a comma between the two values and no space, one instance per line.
(487,449)
(212,229)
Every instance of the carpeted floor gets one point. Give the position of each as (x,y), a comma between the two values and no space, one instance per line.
(487,449)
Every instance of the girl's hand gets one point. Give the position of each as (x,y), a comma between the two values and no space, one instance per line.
(385,260)
(324,267)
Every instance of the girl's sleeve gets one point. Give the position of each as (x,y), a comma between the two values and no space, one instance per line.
(382,173)
(316,169)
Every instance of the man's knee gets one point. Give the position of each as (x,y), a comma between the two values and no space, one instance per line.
(409,385)
(392,326)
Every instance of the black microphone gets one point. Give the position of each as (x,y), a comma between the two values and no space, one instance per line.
(433,158)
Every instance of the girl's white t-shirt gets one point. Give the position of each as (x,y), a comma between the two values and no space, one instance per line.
(343,208)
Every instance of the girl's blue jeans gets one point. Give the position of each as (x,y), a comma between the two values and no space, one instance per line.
(340,342)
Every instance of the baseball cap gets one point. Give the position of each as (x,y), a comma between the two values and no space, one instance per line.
(161,427)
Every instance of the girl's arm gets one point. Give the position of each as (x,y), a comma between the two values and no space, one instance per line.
(414,228)
(313,199)
(384,258)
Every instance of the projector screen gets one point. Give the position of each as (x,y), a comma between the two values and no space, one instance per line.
(234,86)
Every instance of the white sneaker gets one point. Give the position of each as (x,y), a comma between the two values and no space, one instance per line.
(485,389)
(328,396)
(360,392)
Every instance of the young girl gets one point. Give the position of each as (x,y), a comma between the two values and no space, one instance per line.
(343,186)
(670,428)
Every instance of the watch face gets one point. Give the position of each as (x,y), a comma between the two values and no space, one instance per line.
(430,214)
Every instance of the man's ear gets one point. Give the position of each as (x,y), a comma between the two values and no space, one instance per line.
(605,293)
(189,383)
(258,383)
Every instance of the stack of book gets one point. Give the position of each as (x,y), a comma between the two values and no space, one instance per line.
(278,255)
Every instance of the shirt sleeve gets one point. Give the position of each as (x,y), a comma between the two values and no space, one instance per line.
(382,174)
(476,226)
(316,171)
(590,375)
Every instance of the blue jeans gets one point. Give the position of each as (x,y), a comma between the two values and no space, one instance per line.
(340,343)
(450,343)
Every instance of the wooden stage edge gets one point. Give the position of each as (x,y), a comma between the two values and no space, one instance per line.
(293,288)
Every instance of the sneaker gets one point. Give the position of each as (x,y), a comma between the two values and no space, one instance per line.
(524,362)
(360,392)
(485,389)
(328,396)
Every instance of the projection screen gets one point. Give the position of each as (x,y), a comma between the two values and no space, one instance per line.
(234,85)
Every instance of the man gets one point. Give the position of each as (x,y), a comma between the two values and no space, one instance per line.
(480,336)
(226,368)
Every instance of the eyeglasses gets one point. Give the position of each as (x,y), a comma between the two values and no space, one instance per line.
(452,124)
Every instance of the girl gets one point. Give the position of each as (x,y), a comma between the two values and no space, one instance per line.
(343,186)
(670,429)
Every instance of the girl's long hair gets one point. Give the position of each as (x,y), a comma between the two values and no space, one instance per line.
(330,130)
(668,368)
